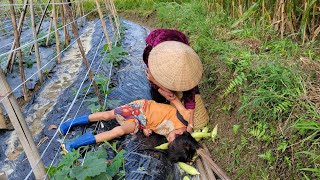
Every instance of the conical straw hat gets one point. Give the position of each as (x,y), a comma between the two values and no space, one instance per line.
(175,65)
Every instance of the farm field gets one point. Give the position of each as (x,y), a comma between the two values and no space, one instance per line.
(260,85)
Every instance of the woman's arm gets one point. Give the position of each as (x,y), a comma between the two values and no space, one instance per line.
(191,121)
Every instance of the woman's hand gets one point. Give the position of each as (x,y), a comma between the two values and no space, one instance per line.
(169,95)
(147,132)
(190,128)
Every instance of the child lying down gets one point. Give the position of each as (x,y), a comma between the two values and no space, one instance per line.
(147,116)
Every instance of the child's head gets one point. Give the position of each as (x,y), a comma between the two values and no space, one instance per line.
(182,148)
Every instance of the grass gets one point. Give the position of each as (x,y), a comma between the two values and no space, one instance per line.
(255,85)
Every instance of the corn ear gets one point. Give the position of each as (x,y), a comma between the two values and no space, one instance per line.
(163,146)
(188,169)
(214,132)
(205,129)
(200,135)
(186,178)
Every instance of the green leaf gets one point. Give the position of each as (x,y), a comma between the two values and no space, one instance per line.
(282,146)
(101,153)
(92,166)
(91,100)
(236,128)
(69,158)
(117,163)
(103,176)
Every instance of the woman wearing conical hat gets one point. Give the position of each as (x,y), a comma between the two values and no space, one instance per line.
(173,66)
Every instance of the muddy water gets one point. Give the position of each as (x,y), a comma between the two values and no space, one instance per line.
(66,72)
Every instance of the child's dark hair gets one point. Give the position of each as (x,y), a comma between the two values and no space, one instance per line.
(182,148)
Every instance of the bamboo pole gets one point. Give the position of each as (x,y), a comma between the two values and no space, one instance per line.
(55,22)
(40,23)
(206,165)
(40,6)
(3,124)
(103,23)
(84,58)
(12,55)
(114,13)
(20,126)
(78,13)
(208,169)
(83,13)
(49,32)
(65,29)
(203,174)
(109,16)
(36,46)
(205,156)
(17,44)
(282,4)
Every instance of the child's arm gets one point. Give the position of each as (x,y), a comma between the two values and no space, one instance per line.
(180,107)
(174,100)
(147,132)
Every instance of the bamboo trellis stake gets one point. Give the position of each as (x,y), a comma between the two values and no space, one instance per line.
(36,47)
(55,22)
(78,13)
(40,23)
(84,58)
(65,28)
(12,55)
(2,120)
(17,44)
(114,13)
(11,106)
(49,31)
(106,34)
(109,16)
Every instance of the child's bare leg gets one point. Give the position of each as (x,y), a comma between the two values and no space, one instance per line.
(105,116)
(118,131)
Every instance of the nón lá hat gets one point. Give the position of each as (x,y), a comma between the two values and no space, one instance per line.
(175,65)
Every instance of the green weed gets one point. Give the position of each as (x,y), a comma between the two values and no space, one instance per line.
(93,167)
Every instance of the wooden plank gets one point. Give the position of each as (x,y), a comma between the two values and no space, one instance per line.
(12,108)
(84,58)
(104,26)
(55,22)
(17,45)
(12,55)
(36,46)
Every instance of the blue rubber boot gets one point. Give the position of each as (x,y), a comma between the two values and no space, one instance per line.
(81,120)
(85,139)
